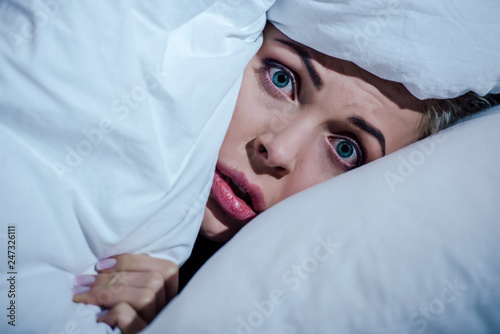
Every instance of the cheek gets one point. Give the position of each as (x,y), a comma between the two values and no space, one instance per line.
(255,107)
(241,131)
(311,170)
(242,123)
(254,114)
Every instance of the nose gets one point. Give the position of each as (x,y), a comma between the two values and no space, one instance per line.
(278,152)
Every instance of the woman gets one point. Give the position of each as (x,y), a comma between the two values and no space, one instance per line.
(301,118)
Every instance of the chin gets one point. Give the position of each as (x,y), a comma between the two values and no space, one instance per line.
(214,229)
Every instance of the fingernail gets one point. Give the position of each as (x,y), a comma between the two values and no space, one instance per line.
(102,313)
(85,280)
(104,264)
(78,289)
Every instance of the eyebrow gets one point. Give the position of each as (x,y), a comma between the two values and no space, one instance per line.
(361,123)
(316,79)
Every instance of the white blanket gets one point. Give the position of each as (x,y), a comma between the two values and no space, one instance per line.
(110,127)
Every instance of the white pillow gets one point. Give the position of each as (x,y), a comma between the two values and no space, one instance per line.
(406,244)
(397,39)
(104,107)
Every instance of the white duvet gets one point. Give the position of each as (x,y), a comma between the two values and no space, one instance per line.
(111,115)
(104,108)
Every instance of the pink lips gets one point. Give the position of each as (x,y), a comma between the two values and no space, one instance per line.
(229,202)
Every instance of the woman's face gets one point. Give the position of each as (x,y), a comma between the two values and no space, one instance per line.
(301,118)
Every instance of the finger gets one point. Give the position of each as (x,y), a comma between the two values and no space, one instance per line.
(125,317)
(140,262)
(141,299)
(137,262)
(171,286)
(118,281)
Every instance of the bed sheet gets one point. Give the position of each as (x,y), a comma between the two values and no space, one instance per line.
(104,106)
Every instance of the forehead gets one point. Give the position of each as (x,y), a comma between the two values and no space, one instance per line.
(394,91)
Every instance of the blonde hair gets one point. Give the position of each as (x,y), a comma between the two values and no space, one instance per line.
(441,114)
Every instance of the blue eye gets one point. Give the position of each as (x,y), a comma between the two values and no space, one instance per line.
(345,149)
(347,152)
(280,79)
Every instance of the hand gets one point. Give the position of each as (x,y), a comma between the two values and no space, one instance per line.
(133,289)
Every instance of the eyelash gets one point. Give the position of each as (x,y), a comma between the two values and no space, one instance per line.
(357,148)
(267,65)
(275,91)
